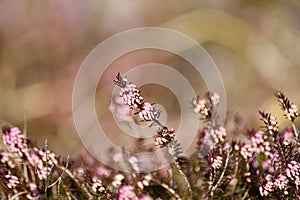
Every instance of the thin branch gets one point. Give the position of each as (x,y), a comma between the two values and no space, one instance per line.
(296,132)
(221,176)
(25,136)
(245,195)
(166,187)
(81,186)
(17,195)
(47,173)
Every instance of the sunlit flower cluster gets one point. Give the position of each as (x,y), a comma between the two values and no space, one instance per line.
(205,106)
(268,186)
(11,181)
(270,122)
(97,186)
(290,109)
(266,166)
(216,162)
(246,151)
(293,171)
(164,136)
(126,192)
(147,112)
(218,134)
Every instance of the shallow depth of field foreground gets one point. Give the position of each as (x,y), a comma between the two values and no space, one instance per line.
(267,165)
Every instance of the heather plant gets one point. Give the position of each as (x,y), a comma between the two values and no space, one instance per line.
(267,166)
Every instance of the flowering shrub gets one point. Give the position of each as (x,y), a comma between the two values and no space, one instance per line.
(265,167)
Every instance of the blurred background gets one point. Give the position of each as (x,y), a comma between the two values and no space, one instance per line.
(255,44)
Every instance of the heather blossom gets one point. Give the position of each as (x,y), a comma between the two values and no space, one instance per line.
(131,96)
(11,181)
(164,136)
(260,143)
(118,178)
(206,106)
(32,193)
(214,98)
(281,182)
(218,134)
(5,158)
(290,109)
(246,151)
(16,145)
(147,112)
(97,186)
(103,171)
(201,106)
(266,167)
(270,122)
(126,192)
(145,197)
(144,182)
(288,137)
(293,171)
(14,141)
(268,186)
(216,162)
(129,92)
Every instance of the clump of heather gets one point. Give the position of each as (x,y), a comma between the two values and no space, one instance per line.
(267,166)
(31,172)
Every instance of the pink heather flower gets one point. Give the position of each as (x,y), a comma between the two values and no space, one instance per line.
(130,96)
(147,112)
(121,81)
(17,145)
(5,158)
(103,172)
(216,162)
(32,187)
(144,182)
(15,141)
(11,181)
(97,186)
(288,137)
(40,159)
(47,156)
(122,112)
(201,106)
(292,112)
(118,180)
(218,134)
(266,163)
(293,171)
(33,193)
(126,192)
(246,151)
(134,163)
(214,98)
(268,186)
(270,122)
(260,143)
(290,109)
(164,137)
(247,177)
(281,182)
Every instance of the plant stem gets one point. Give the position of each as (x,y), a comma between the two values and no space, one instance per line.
(296,132)
(221,176)
(81,186)
(170,190)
